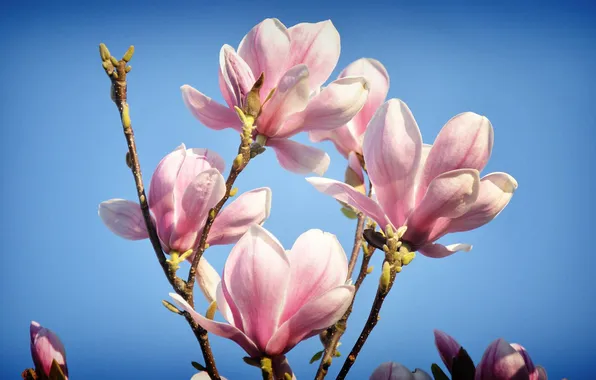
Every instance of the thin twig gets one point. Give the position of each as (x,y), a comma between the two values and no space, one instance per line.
(117,71)
(357,243)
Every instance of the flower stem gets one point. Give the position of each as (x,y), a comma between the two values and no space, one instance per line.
(117,71)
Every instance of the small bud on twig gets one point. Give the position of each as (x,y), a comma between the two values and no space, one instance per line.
(171,307)
(128,55)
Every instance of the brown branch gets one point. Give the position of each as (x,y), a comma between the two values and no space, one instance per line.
(117,71)
(357,243)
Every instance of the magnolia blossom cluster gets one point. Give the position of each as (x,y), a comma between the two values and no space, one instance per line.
(271,298)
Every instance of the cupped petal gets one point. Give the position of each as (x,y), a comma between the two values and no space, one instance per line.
(237,77)
(202,194)
(438,251)
(347,194)
(212,114)
(496,190)
(233,221)
(209,158)
(224,307)
(316,315)
(333,107)
(378,83)
(256,276)
(299,158)
(223,330)
(161,191)
(266,49)
(447,346)
(392,148)
(466,141)
(291,95)
(124,218)
(421,375)
(208,279)
(318,264)
(396,371)
(501,362)
(203,376)
(449,196)
(356,166)
(342,137)
(318,46)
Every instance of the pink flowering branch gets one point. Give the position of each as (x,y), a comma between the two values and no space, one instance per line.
(117,71)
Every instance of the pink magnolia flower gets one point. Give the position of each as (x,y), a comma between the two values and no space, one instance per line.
(433,190)
(272,299)
(348,137)
(396,371)
(186,184)
(295,63)
(448,348)
(504,361)
(45,348)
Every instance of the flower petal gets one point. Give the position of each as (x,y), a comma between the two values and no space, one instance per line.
(355,165)
(378,83)
(237,77)
(291,95)
(541,373)
(392,148)
(333,107)
(299,158)
(438,251)
(342,137)
(203,376)
(208,279)
(450,195)
(496,190)
(501,362)
(220,329)
(256,275)
(46,347)
(232,222)
(124,218)
(447,346)
(318,264)
(266,49)
(396,371)
(347,194)
(466,141)
(200,196)
(316,315)
(281,367)
(318,46)
(212,114)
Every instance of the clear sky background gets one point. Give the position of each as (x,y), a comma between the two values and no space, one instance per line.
(528,66)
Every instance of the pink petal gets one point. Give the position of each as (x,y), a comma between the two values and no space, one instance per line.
(316,315)
(318,264)
(281,366)
(421,375)
(211,159)
(466,141)
(224,307)
(533,371)
(205,191)
(45,348)
(232,222)
(124,218)
(212,114)
(220,329)
(299,158)
(501,362)
(496,190)
(342,137)
(266,49)
(237,77)
(396,371)
(291,96)
(355,165)
(34,328)
(347,194)
(541,373)
(204,376)
(318,46)
(378,83)
(450,195)
(334,106)
(256,275)
(208,279)
(392,149)
(438,251)
(447,346)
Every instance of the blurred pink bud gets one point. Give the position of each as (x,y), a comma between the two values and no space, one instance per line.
(295,62)
(432,190)
(45,348)
(448,348)
(396,371)
(504,361)
(272,298)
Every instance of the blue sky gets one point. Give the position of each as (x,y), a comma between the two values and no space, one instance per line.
(529,279)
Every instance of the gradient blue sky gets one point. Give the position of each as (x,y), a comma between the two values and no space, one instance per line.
(530,68)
